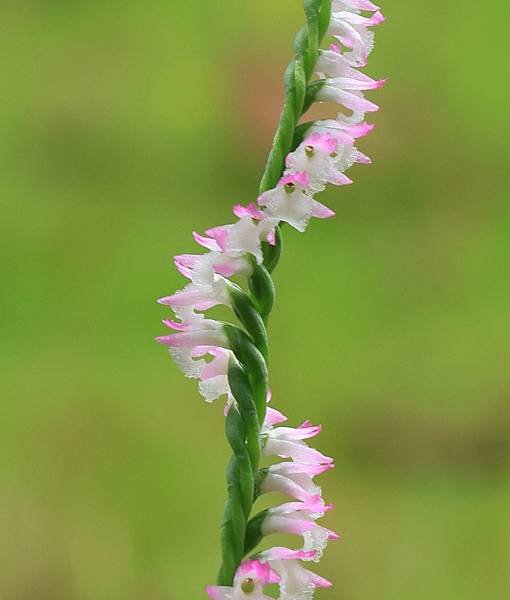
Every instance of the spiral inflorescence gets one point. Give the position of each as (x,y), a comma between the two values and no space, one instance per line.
(231,360)
(241,472)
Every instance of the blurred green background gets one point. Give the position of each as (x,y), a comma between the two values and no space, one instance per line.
(126,125)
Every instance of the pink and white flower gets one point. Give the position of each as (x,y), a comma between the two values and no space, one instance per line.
(214,374)
(266,225)
(200,268)
(195,332)
(251,210)
(345,133)
(200,346)
(249,582)
(343,83)
(244,236)
(296,481)
(347,155)
(196,338)
(345,92)
(200,296)
(352,30)
(317,155)
(287,442)
(290,202)
(296,582)
(299,518)
(343,127)
(333,64)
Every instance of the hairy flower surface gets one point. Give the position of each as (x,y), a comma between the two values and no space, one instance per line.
(292,203)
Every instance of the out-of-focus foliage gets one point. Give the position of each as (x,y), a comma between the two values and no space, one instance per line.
(124,126)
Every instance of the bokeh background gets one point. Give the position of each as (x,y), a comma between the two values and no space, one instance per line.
(124,126)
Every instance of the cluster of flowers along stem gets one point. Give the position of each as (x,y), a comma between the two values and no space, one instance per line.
(230,360)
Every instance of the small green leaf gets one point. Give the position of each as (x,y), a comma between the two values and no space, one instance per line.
(261,287)
(311,93)
(254,533)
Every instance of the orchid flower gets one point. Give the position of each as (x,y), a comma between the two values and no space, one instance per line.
(296,480)
(352,30)
(296,582)
(318,155)
(287,442)
(244,236)
(249,581)
(290,202)
(299,518)
(230,359)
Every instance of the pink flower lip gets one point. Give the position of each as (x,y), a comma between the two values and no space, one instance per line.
(248,211)
(220,236)
(324,141)
(301,178)
(377,18)
(225,270)
(274,417)
(315,504)
(257,570)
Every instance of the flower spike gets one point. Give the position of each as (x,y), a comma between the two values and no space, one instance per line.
(231,359)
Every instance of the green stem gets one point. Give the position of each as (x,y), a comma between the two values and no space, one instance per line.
(238,506)
(248,378)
